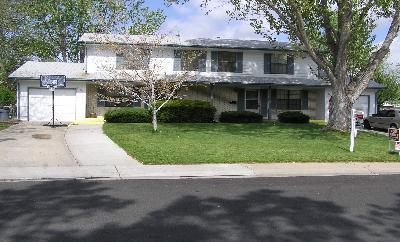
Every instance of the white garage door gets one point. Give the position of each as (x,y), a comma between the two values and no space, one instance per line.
(40,103)
(362,104)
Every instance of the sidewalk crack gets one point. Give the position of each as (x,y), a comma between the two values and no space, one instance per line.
(119,174)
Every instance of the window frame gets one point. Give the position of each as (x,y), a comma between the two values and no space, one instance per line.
(196,62)
(288,102)
(252,99)
(220,64)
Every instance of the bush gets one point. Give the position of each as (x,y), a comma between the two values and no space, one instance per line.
(128,115)
(7,96)
(293,117)
(187,111)
(240,117)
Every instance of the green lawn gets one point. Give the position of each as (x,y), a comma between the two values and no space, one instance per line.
(3,126)
(244,143)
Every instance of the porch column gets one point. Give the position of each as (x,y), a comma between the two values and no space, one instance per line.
(269,103)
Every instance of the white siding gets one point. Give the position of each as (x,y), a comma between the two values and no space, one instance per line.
(369,92)
(80,97)
(101,58)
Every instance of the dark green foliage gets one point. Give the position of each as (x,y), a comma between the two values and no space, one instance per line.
(187,111)
(293,117)
(389,78)
(240,117)
(128,115)
(7,96)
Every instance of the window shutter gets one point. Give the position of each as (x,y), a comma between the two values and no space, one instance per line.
(214,61)
(290,65)
(267,63)
(239,62)
(177,60)
(304,100)
(273,99)
(202,62)
(119,61)
(241,101)
(264,102)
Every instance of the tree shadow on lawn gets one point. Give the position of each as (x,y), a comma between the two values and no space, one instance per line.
(260,215)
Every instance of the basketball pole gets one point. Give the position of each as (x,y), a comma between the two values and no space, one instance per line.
(52,96)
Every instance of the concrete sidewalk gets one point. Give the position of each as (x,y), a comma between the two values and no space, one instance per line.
(97,157)
(91,147)
(198,171)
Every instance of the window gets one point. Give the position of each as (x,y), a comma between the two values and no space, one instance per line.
(252,99)
(120,61)
(109,99)
(278,64)
(224,61)
(288,99)
(190,60)
(133,60)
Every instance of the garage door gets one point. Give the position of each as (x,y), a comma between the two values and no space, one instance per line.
(362,104)
(40,103)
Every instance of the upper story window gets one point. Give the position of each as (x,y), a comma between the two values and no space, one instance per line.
(133,60)
(120,62)
(225,61)
(190,60)
(278,64)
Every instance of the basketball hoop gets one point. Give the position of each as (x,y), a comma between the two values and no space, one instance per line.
(52,82)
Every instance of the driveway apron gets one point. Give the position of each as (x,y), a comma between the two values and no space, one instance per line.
(32,144)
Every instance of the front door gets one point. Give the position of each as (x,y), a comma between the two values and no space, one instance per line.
(252,98)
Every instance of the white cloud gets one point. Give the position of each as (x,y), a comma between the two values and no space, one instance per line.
(394,56)
(191,21)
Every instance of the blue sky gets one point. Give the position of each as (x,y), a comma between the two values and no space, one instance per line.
(191,21)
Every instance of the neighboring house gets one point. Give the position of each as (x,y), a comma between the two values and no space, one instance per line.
(251,75)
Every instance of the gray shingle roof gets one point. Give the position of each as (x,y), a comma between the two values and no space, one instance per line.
(176,41)
(33,70)
(76,71)
(292,81)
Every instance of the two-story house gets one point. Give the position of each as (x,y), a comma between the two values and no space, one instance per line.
(232,74)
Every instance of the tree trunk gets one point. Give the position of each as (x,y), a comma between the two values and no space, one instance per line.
(155,126)
(340,105)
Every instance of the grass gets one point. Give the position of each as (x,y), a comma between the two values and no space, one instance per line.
(4,126)
(244,143)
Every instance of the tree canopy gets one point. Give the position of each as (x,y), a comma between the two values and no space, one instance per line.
(336,34)
(50,29)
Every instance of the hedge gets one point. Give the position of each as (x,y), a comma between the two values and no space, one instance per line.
(187,111)
(240,117)
(128,115)
(293,117)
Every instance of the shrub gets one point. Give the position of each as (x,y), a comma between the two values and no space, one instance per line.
(187,111)
(128,115)
(7,96)
(240,117)
(293,117)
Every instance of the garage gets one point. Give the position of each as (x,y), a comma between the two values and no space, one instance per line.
(40,104)
(362,104)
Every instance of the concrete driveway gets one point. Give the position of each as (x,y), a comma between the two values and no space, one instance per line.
(32,144)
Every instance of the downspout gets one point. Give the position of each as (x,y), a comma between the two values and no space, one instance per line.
(212,93)
(269,103)
(18,101)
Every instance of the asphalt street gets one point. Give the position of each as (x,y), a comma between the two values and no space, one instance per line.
(347,208)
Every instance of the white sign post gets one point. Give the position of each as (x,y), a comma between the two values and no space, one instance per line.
(353,133)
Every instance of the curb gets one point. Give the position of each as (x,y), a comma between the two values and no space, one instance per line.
(118,172)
